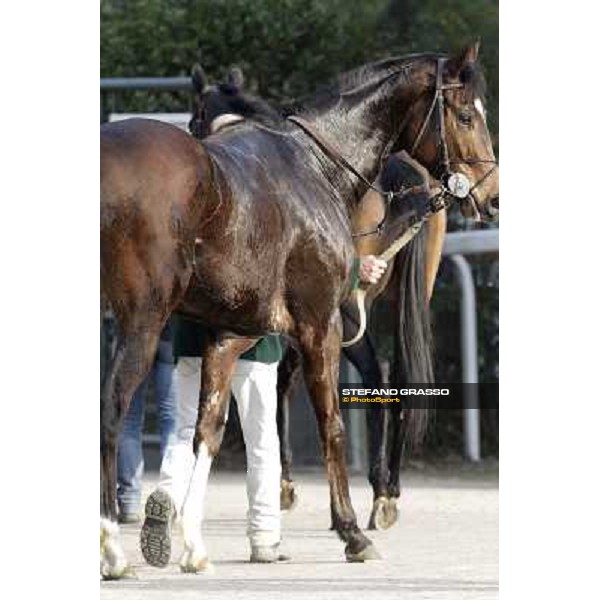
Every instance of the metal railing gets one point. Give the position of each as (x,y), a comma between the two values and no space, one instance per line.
(111,87)
(456,246)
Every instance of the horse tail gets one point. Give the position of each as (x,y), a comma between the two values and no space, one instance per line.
(413,347)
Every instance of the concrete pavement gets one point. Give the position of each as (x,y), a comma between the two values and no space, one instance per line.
(445,546)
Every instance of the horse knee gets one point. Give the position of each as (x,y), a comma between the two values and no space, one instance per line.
(334,433)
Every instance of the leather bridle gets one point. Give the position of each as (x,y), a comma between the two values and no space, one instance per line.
(448,194)
(444,171)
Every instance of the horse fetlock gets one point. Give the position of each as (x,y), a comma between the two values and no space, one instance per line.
(360,548)
(346,527)
(394,490)
(288,497)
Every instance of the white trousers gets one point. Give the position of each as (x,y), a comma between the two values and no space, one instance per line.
(254,386)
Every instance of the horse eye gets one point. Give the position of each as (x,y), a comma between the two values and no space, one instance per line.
(465,118)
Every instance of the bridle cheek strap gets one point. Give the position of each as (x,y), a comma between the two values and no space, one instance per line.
(438,101)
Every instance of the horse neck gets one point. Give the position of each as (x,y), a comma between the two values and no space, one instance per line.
(364,130)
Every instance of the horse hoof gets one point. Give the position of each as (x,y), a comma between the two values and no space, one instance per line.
(155,536)
(201,566)
(114,574)
(113,563)
(369,552)
(391,512)
(377,520)
(288,498)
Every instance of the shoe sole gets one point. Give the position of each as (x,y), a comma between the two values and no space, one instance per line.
(155,537)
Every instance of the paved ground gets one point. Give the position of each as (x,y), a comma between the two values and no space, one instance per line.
(445,546)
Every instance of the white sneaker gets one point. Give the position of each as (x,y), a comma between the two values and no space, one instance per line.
(267,554)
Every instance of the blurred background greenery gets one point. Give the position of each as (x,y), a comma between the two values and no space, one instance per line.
(287,48)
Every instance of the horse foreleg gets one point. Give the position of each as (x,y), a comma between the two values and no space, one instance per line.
(288,375)
(321,355)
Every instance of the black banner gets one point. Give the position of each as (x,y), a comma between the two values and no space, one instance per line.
(438,396)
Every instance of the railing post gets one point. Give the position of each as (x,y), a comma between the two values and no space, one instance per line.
(468,338)
(357,436)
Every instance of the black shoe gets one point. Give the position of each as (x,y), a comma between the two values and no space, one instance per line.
(155,537)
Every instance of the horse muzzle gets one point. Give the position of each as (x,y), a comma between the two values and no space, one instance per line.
(491,210)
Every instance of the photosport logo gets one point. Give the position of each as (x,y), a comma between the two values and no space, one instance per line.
(451,395)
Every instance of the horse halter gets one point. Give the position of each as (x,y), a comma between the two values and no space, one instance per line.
(455,183)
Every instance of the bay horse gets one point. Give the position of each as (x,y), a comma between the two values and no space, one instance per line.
(409,280)
(249,233)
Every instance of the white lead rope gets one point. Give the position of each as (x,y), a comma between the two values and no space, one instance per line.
(361,292)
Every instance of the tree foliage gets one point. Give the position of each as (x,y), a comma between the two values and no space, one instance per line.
(288,47)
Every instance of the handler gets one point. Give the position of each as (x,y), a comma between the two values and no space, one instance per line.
(254,385)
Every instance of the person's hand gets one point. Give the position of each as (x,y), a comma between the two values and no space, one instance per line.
(371,268)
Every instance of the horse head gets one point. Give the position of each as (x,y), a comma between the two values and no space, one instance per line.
(451,136)
(225,103)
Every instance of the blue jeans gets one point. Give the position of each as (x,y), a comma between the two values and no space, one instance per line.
(130,460)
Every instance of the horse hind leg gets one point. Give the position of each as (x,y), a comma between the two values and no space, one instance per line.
(363,356)
(321,363)
(288,375)
(131,362)
(398,439)
(377,427)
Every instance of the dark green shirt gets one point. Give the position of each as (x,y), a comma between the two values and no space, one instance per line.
(190,339)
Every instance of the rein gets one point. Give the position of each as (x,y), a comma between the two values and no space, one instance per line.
(436,203)
(334,153)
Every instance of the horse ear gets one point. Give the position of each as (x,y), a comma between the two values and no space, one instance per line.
(464,60)
(198,78)
(235,77)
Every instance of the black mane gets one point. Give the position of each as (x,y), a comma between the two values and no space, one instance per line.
(359,79)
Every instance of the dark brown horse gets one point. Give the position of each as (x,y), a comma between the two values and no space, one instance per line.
(249,233)
(454,122)
(375,226)
(409,280)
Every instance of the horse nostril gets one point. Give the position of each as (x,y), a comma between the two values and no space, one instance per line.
(495,202)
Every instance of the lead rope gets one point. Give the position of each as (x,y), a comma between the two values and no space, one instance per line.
(438,203)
